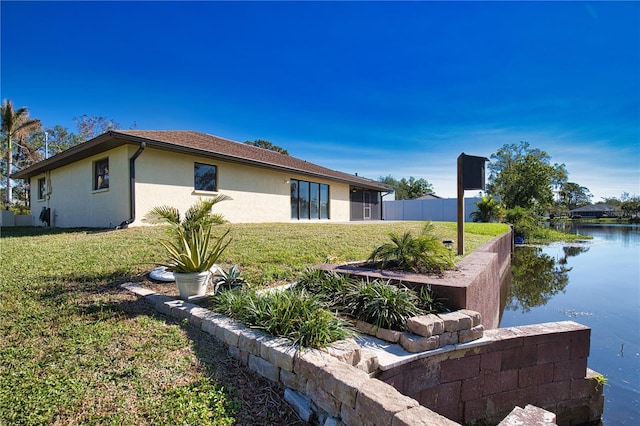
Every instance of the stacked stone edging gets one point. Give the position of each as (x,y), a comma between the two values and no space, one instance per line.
(432,331)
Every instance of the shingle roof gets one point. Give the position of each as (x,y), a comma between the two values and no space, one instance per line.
(200,144)
(591,208)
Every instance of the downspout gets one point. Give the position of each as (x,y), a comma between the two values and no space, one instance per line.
(382,203)
(132,187)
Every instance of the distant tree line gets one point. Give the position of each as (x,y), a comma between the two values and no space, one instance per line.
(629,205)
(408,189)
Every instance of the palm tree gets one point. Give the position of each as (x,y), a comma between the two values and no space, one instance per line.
(15,124)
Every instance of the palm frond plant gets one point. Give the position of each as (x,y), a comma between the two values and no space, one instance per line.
(198,215)
(488,209)
(400,250)
(432,255)
(424,253)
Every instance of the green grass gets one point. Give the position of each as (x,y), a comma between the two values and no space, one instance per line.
(76,349)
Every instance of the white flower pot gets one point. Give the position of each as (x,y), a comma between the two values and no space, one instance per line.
(193,284)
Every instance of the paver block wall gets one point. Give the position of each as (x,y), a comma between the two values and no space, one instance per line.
(543,365)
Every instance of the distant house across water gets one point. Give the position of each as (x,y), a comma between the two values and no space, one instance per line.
(594,211)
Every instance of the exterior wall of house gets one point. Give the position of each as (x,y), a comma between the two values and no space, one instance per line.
(258,194)
(74,202)
(166,178)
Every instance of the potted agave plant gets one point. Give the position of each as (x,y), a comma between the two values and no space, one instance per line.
(191,258)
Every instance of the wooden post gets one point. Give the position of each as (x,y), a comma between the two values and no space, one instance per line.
(460,208)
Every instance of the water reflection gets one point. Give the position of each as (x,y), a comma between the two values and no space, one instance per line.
(595,283)
(537,277)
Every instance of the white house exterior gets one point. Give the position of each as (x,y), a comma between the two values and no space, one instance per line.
(116,178)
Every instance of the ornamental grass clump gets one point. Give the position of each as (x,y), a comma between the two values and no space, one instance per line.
(296,315)
(424,253)
(430,304)
(328,286)
(382,304)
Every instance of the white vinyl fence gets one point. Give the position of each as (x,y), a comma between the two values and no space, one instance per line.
(438,210)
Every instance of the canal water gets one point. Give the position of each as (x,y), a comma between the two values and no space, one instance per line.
(595,283)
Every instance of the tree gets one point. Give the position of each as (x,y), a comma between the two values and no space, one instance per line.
(16,124)
(535,278)
(90,127)
(408,189)
(523,176)
(59,139)
(573,195)
(628,204)
(260,143)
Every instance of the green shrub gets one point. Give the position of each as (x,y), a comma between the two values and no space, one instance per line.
(329,286)
(523,220)
(230,278)
(382,304)
(296,315)
(428,303)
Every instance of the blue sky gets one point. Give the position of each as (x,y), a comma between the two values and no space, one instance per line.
(373,88)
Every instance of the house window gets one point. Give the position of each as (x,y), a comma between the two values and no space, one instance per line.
(205,177)
(42,188)
(309,200)
(101,174)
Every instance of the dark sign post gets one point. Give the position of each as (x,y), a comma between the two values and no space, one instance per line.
(470,176)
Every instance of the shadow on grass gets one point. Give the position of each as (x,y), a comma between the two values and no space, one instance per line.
(35,231)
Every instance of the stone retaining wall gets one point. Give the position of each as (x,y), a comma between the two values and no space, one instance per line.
(427,332)
(544,365)
(514,366)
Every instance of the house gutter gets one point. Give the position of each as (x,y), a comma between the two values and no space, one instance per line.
(132,186)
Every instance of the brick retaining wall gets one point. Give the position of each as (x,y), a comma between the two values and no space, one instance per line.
(543,365)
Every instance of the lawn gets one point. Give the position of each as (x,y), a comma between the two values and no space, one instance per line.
(76,349)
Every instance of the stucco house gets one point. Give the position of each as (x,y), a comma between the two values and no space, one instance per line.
(117,177)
